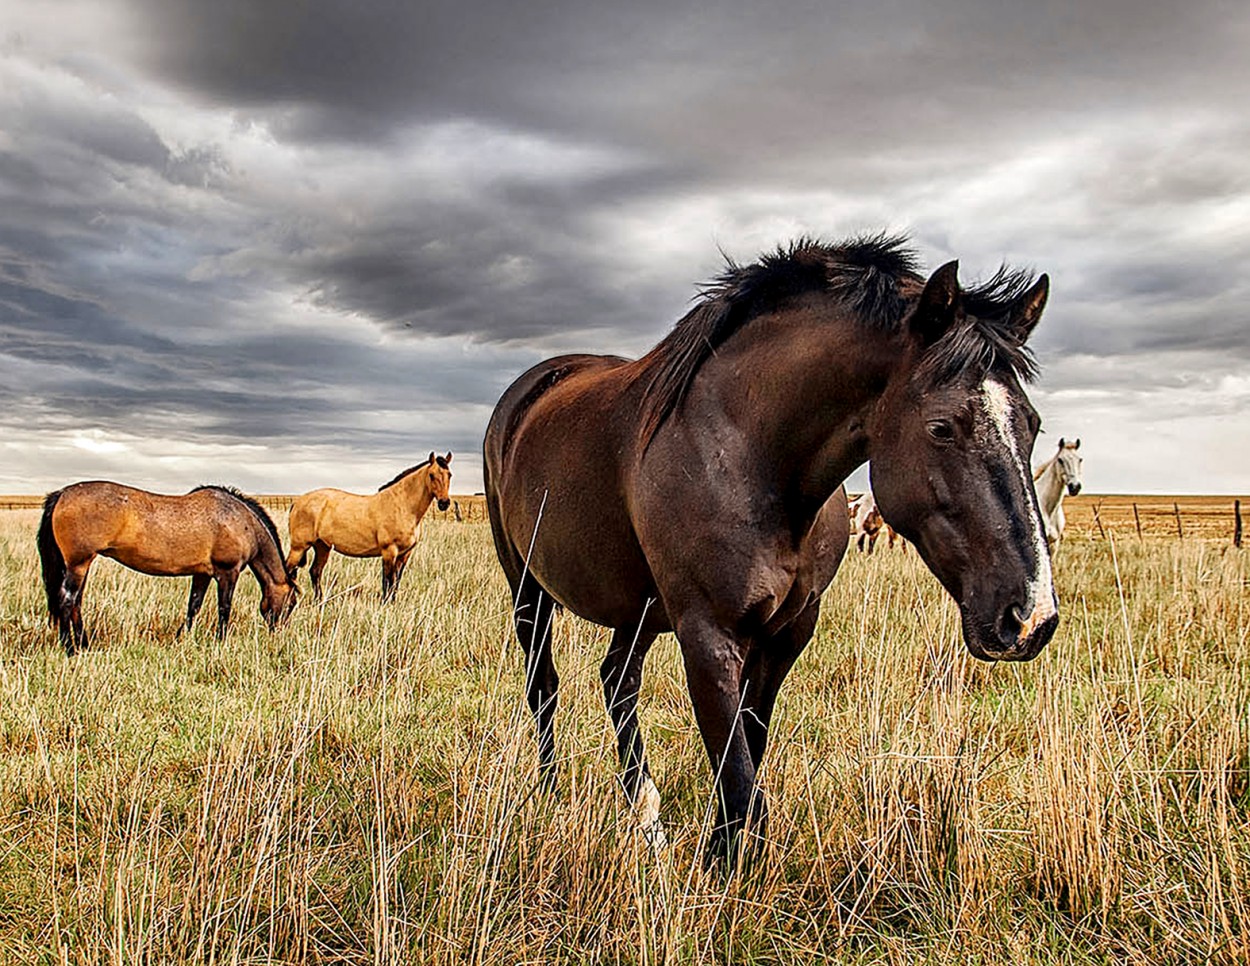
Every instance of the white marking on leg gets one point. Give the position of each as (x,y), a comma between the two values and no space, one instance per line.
(1041,587)
(647,806)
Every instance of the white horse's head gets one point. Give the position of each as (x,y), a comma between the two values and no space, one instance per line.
(1068,463)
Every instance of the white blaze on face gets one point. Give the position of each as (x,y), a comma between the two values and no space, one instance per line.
(1041,589)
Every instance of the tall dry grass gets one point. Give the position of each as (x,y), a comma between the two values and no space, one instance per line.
(359,787)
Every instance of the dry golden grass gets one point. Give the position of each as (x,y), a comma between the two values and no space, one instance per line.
(359,786)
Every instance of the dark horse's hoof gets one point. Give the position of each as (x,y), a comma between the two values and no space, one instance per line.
(734,851)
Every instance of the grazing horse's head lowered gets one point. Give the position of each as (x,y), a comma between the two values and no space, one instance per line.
(277,601)
(951,440)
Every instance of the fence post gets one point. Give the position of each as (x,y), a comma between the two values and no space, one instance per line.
(1177,511)
(1098,520)
(1237,523)
(1137,520)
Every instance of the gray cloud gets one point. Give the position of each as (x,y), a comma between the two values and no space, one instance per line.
(349,227)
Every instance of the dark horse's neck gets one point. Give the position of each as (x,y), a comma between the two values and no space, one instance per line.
(806,386)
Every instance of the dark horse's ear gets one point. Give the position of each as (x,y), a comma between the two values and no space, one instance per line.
(1027,311)
(447,458)
(938,305)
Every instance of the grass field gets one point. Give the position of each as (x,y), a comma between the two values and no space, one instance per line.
(359,786)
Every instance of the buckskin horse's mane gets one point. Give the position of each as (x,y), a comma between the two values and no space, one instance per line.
(876,277)
(412,469)
(251,504)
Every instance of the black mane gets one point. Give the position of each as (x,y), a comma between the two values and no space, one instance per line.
(876,277)
(249,502)
(412,469)
(986,342)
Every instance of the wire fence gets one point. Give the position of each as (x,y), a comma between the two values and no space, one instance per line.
(1090,515)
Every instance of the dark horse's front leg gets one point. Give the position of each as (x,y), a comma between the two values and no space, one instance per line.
(715,661)
(621,674)
(766,668)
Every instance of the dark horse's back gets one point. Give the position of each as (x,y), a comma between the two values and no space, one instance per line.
(564,414)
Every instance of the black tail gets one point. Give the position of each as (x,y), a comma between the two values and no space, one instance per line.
(52,559)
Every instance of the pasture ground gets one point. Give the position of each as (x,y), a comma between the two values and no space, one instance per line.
(358,787)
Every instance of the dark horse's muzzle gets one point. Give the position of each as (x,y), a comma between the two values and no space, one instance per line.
(1014,637)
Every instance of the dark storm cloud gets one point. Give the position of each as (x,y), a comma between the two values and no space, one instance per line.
(266,221)
(787,74)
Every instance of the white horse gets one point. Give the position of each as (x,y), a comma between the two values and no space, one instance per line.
(1058,475)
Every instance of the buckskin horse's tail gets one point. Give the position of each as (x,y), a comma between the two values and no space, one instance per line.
(51,558)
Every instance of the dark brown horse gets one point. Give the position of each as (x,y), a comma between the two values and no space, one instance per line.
(211,533)
(698,489)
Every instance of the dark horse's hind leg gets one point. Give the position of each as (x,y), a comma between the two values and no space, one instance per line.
(534,609)
(226,579)
(199,587)
(714,661)
(621,673)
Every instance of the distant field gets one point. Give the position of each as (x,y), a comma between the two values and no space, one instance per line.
(358,787)
(1200,516)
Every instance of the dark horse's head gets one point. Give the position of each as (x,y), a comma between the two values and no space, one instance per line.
(950,443)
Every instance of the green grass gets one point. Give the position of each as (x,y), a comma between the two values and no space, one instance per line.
(359,786)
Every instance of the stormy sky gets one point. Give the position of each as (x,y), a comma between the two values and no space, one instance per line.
(294,244)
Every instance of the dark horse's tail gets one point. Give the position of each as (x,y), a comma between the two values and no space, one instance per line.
(52,559)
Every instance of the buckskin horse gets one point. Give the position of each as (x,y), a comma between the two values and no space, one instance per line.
(698,489)
(1058,475)
(383,524)
(211,533)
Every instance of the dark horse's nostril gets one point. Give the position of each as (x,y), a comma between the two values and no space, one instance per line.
(1013,621)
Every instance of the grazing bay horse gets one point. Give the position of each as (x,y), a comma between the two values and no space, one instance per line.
(1059,475)
(383,524)
(211,533)
(699,489)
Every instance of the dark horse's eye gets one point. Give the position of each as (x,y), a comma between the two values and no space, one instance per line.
(942,430)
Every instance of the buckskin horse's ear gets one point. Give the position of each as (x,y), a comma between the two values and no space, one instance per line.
(447,458)
(939,302)
(1027,311)
(431,459)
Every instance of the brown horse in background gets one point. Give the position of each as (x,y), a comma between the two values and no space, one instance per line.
(699,489)
(211,533)
(381,525)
